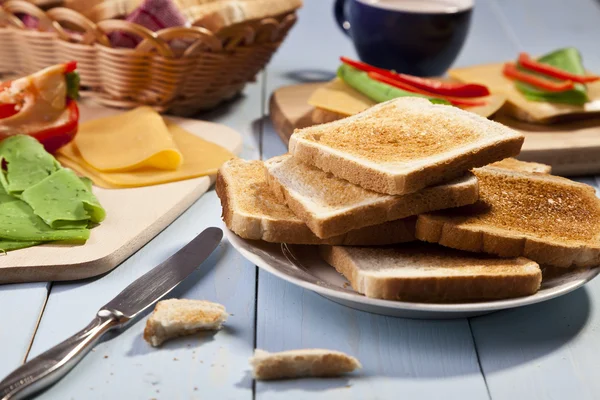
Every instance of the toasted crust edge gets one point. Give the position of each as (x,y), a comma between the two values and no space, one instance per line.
(273,231)
(403,183)
(433,289)
(505,244)
(443,196)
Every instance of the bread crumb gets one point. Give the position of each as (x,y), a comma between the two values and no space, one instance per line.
(301,363)
(173,318)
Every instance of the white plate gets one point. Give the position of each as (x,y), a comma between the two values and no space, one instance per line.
(302,266)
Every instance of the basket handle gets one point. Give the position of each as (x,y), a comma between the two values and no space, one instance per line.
(92,33)
(111,25)
(204,38)
(234,35)
(24,7)
(7,19)
(286,24)
(267,30)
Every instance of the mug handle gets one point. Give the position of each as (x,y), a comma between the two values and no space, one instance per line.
(340,15)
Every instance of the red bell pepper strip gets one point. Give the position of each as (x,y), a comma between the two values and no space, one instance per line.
(511,71)
(529,63)
(55,137)
(409,88)
(453,89)
(70,66)
(8,110)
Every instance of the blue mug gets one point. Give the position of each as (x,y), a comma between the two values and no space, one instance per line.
(416,37)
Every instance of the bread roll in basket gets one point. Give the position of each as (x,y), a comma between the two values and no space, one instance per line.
(178,70)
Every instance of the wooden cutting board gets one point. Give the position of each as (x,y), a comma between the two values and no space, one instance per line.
(572,148)
(133,217)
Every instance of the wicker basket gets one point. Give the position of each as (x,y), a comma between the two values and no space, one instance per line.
(209,69)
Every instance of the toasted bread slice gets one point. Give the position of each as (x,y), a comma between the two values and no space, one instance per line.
(429,273)
(301,363)
(524,166)
(179,317)
(251,211)
(331,206)
(548,219)
(404,145)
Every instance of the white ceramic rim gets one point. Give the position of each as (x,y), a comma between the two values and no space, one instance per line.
(486,306)
(454,6)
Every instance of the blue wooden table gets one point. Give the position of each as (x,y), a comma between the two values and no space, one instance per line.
(545,351)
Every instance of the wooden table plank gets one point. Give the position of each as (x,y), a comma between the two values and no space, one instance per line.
(209,366)
(547,350)
(20,308)
(406,358)
(401,358)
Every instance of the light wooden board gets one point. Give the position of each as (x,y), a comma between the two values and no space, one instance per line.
(133,217)
(198,367)
(571,148)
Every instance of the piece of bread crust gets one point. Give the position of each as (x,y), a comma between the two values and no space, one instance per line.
(551,220)
(524,166)
(404,145)
(252,211)
(429,273)
(180,317)
(331,206)
(301,363)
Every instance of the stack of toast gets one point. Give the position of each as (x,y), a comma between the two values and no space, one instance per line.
(414,201)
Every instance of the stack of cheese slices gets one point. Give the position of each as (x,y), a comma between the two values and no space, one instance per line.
(373,188)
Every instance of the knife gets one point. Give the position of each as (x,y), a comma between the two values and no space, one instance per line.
(52,365)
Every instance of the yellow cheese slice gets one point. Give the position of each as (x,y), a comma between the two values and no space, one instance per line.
(535,111)
(338,97)
(201,158)
(127,141)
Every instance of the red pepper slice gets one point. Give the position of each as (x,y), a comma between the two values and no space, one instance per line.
(8,110)
(453,89)
(511,71)
(55,137)
(529,63)
(70,66)
(409,88)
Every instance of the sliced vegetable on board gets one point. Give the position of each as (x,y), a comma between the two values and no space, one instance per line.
(530,64)
(436,86)
(376,91)
(456,101)
(534,86)
(542,83)
(42,105)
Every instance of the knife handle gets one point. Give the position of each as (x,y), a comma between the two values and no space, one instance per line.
(53,364)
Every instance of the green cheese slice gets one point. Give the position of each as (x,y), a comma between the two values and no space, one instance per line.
(6,245)
(27,163)
(19,223)
(63,201)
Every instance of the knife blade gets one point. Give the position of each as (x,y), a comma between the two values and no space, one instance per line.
(53,364)
(152,286)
